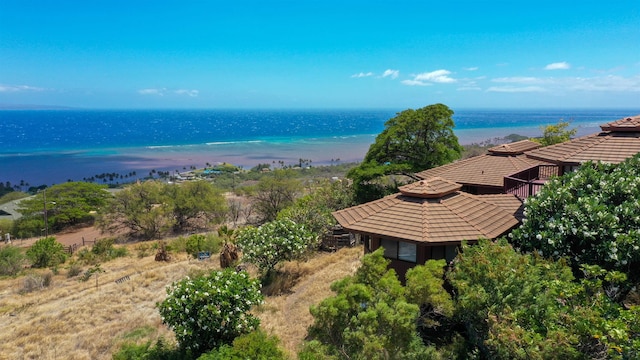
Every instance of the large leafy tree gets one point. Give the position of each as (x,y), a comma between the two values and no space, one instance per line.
(412,141)
(142,209)
(66,205)
(196,204)
(150,209)
(421,139)
(275,192)
(590,216)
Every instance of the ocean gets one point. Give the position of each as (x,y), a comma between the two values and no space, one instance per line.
(52,146)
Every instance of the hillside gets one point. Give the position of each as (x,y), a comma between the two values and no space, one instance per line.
(71,319)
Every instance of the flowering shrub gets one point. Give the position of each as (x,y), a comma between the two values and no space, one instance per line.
(209,311)
(273,242)
(591,216)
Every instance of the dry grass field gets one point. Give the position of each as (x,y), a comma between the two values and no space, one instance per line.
(71,319)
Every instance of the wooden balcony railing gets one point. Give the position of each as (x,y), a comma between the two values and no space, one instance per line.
(529,181)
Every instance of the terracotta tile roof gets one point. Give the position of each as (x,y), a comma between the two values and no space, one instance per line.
(482,170)
(515,148)
(434,188)
(626,124)
(453,217)
(619,142)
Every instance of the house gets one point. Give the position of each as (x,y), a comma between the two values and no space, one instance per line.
(479,197)
(429,219)
(484,174)
(618,141)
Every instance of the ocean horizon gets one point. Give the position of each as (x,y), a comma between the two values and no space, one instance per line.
(53,146)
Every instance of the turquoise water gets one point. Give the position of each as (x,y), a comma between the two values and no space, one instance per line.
(46,147)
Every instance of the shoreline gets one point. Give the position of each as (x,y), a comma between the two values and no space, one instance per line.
(54,168)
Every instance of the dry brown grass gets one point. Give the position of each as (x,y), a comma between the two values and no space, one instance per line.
(287,315)
(81,320)
(87,320)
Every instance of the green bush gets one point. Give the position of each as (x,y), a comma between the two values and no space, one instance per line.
(86,256)
(256,345)
(46,252)
(208,311)
(159,351)
(74,269)
(198,242)
(11,260)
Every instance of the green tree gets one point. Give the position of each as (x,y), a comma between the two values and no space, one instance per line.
(425,287)
(555,134)
(143,210)
(516,306)
(314,209)
(273,243)
(590,216)
(368,318)
(46,252)
(66,205)
(274,192)
(212,310)
(196,202)
(412,141)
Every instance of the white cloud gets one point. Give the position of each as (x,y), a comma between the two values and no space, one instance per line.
(19,88)
(415,83)
(469,88)
(604,83)
(438,76)
(515,89)
(429,78)
(391,73)
(558,66)
(192,93)
(159,92)
(564,84)
(361,75)
(473,68)
(520,80)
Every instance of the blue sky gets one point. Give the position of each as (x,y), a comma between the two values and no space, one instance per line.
(320,54)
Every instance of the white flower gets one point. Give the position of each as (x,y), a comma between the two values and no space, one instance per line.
(539,237)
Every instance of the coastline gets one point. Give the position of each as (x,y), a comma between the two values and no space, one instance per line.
(53,168)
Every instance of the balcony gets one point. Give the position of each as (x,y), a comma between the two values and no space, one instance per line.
(529,181)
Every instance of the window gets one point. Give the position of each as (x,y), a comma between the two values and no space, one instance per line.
(399,250)
(407,251)
(390,248)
